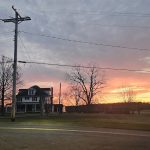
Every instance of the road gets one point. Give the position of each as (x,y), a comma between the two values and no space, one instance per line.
(67,138)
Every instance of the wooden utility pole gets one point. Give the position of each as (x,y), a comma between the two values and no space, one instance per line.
(18,19)
(3,86)
(60,94)
(59,107)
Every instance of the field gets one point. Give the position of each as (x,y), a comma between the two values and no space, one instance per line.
(115,121)
(75,132)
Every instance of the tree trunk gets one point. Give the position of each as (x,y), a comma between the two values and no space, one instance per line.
(3,108)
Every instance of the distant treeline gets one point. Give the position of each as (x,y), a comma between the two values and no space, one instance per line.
(118,108)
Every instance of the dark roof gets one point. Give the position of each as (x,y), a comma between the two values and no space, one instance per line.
(23,92)
(39,91)
(35,87)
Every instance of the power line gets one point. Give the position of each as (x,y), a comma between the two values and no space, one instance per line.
(122,26)
(81,66)
(29,58)
(24,47)
(130,14)
(111,14)
(6,38)
(85,42)
(86,67)
(102,13)
(6,32)
(134,14)
(1,39)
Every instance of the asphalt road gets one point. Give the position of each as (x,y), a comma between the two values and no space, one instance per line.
(67,138)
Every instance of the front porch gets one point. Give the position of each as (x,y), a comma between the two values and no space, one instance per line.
(28,108)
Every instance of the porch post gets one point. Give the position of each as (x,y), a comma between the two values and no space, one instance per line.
(25,108)
(35,107)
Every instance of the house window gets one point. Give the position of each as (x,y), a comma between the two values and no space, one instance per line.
(19,99)
(34,99)
(31,92)
(26,98)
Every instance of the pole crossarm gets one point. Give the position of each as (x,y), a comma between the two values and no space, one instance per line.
(14,19)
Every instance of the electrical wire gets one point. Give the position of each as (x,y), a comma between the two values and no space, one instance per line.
(8,38)
(6,32)
(22,43)
(29,58)
(81,66)
(103,13)
(86,67)
(86,42)
(121,26)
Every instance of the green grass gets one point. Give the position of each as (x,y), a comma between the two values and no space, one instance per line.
(130,122)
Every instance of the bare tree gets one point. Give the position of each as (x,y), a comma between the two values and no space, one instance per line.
(128,94)
(6,71)
(86,83)
(76,93)
(72,95)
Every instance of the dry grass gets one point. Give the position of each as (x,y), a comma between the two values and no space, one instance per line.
(131,122)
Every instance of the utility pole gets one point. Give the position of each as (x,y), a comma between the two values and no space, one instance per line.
(3,86)
(18,19)
(60,94)
(59,108)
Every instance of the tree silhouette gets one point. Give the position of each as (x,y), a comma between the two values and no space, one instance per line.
(6,78)
(86,83)
(128,94)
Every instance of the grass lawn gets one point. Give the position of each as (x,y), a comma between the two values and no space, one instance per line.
(115,121)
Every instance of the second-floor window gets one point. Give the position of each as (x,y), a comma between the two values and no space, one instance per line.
(31,92)
(34,99)
(26,98)
(19,99)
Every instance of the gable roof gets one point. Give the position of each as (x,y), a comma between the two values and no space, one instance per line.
(39,91)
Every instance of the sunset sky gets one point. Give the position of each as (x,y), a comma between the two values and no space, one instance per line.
(113,34)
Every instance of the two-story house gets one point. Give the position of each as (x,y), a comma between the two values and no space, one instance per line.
(32,99)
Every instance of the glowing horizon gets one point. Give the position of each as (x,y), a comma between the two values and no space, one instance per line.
(110,94)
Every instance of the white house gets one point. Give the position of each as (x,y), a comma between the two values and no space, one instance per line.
(32,99)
